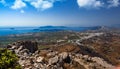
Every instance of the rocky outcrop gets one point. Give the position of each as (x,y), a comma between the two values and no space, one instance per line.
(31,58)
(47,59)
(92,62)
(29,45)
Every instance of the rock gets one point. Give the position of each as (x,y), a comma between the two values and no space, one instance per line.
(30,45)
(18,51)
(86,57)
(20,48)
(21,62)
(52,54)
(92,62)
(24,50)
(25,54)
(63,55)
(101,62)
(13,47)
(53,60)
(39,59)
(9,46)
(37,65)
(31,58)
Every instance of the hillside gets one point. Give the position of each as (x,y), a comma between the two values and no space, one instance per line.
(71,50)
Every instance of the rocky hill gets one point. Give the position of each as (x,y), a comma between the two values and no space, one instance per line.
(88,51)
(32,58)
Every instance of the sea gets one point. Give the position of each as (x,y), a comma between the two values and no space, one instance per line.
(16,30)
(4,31)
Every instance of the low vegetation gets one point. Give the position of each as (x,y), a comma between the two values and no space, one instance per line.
(8,60)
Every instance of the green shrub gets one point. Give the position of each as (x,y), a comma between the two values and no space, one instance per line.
(8,60)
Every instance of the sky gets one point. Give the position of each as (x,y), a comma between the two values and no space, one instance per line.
(59,12)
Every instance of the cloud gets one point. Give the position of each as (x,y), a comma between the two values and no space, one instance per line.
(38,4)
(42,4)
(90,3)
(113,3)
(46,4)
(18,4)
(98,3)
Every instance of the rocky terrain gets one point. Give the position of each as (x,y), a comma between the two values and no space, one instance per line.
(107,46)
(93,51)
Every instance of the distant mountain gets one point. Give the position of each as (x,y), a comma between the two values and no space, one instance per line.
(52,27)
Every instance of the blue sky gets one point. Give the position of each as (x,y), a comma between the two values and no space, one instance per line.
(59,12)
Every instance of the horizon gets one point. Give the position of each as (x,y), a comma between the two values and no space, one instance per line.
(62,26)
(59,12)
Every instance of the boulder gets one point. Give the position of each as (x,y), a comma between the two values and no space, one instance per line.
(63,55)
(30,45)
(53,60)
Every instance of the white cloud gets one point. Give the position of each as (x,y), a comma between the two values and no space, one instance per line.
(113,3)
(42,4)
(38,4)
(90,3)
(46,4)
(98,3)
(18,4)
